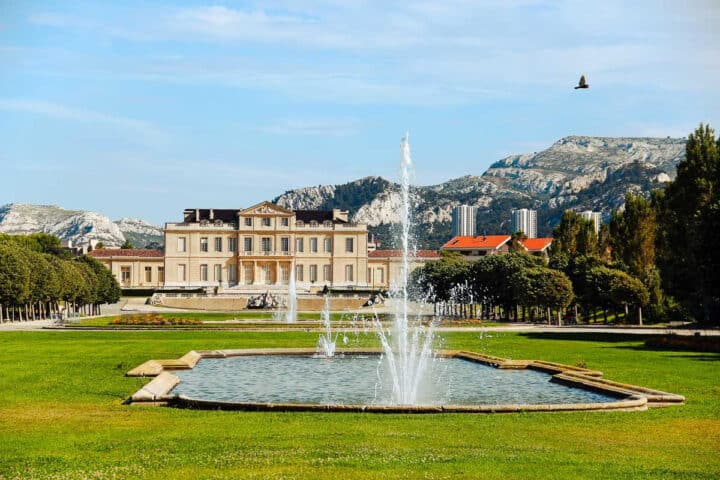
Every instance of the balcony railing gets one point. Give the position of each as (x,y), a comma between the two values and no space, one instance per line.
(268,253)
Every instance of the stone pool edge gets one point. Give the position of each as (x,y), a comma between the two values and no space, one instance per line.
(630,397)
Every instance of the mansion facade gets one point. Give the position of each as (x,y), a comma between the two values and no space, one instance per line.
(258,248)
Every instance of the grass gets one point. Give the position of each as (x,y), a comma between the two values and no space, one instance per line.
(61,417)
(262,320)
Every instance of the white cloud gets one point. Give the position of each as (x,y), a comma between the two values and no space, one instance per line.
(338,127)
(56,110)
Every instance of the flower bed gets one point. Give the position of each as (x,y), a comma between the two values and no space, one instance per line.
(153,319)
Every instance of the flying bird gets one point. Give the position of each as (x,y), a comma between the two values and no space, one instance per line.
(582,83)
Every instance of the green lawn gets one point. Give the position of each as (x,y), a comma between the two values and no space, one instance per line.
(61,417)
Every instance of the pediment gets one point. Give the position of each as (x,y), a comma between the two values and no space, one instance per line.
(266,208)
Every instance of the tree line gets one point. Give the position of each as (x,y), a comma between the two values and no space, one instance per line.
(37,275)
(657,256)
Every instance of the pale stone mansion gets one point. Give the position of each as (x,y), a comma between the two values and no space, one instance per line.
(257,248)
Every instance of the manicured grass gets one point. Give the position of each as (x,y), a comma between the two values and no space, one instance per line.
(61,417)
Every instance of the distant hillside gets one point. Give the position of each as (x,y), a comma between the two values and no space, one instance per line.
(575,172)
(77,225)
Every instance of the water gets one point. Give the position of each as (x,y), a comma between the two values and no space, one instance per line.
(326,342)
(407,344)
(290,313)
(360,380)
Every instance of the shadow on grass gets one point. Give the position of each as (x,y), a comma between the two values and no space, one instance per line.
(608,337)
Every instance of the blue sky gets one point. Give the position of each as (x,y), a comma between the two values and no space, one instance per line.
(143,108)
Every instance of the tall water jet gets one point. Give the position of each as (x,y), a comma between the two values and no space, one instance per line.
(326,343)
(291,312)
(407,346)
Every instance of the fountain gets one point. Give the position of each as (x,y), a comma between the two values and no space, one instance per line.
(406,345)
(290,313)
(326,343)
(407,379)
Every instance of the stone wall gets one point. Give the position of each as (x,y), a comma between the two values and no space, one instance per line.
(231,304)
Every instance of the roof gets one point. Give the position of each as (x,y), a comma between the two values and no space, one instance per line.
(398,253)
(319,216)
(536,244)
(126,252)
(478,242)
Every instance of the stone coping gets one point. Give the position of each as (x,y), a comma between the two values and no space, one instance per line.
(629,397)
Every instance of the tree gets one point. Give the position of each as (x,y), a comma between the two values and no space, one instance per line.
(633,238)
(689,216)
(99,245)
(127,245)
(574,235)
(15,286)
(516,242)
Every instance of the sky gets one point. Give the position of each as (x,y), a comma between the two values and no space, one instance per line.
(144,108)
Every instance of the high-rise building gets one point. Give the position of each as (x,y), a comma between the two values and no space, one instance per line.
(463,221)
(525,220)
(595,217)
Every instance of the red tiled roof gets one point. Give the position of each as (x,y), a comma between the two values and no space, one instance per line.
(129,252)
(478,242)
(536,244)
(398,253)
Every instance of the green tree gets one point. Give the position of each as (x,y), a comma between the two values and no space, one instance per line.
(689,217)
(516,242)
(15,279)
(127,245)
(633,239)
(574,236)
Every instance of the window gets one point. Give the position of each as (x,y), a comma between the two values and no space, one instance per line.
(313,273)
(266,221)
(369,275)
(313,245)
(203,244)
(232,274)
(125,274)
(161,274)
(232,244)
(313,224)
(327,274)
(266,244)
(299,223)
(248,244)
(349,245)
(248,222)
(181,244)
(285,244)
(348,273)
(217,273)
(267,274)
(380,277)
(328,245)
(299,273)
(218,244)
(285,273)
(285,222)
(300,247)
(181,272)
(203,273)
(148,274)
(249,273)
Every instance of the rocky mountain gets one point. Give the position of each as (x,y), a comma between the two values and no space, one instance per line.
(575,172)
(76,225)
(141,233)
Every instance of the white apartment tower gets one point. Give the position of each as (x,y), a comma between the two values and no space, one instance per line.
(594,217)
(463,221)
(524,220)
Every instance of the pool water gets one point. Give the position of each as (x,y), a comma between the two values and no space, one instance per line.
(358,380)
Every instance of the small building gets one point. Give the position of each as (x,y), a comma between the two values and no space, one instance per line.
(478,246)
(538,246)
(384,266)
(133,268)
